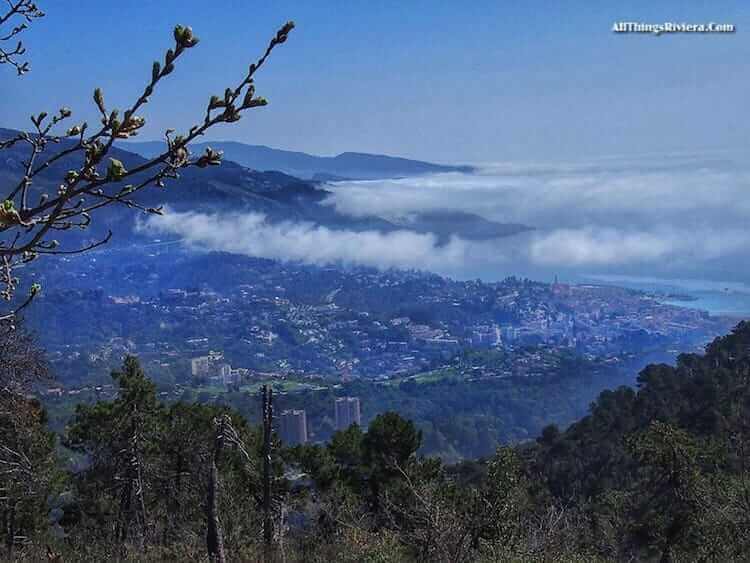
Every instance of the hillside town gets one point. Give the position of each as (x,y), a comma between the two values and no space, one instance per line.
(286,320)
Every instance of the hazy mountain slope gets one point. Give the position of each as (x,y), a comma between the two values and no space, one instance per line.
(229,186)
(236,188)
(471,226)
(348,165)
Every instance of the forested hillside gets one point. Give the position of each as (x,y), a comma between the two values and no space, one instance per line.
(653,474)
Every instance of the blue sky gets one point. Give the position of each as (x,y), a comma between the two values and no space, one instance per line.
(446,81)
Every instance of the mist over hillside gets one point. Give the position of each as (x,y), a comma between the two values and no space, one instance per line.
(276,204)
(605,217)
(667,216)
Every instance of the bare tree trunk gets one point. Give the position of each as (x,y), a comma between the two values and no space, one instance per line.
(10,530)
(282,519)
(133,489)
(267,517)
(139,491)
(171,525)
(121,530)
(215,535)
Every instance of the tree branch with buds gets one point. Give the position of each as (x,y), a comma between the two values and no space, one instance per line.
(28,218)
(16,18)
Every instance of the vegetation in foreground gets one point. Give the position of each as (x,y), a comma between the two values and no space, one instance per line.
(653,474)
(460,417)
(658,474)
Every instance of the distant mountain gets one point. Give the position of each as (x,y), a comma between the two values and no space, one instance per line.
(225,187)
(346,166)
(236,188)
(469,225)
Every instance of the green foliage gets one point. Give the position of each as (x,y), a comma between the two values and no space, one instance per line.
(28,471)
(148,466)
(668,459)
(390,443)
(658,469)
(654,474)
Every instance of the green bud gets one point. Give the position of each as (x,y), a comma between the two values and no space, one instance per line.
(281,35)
(184,37)
(178,30)
(99,99)
(116,170)
(209,158)
(249,96)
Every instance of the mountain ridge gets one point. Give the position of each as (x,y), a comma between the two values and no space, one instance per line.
(234,187)
(349,165)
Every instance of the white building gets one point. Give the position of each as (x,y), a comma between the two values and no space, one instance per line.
(293,427)
(211,365)
(347,412)
(200,366)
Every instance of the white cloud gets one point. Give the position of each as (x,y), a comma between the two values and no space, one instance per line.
(629,194)
(658,215)
(657,211)
(594,247)
(253,235)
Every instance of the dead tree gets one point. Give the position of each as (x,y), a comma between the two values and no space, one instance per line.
(23,364)
(9,517)
(215,535)
(226,437)
(267,515)
(132,502)
(23,472)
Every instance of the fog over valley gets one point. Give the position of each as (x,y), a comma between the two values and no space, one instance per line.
(678,216)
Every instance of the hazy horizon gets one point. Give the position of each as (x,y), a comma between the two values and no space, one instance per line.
(417,80)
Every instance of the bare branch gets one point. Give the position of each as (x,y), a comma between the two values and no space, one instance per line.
(26,11)
(26,226)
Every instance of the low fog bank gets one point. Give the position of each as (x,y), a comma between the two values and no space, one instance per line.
(668,216)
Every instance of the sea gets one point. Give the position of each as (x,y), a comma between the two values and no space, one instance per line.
(730,299)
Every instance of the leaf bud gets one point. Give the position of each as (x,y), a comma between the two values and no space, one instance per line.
(99,99)
(116,170)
